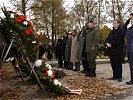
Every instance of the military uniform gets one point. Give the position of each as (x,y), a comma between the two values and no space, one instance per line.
(129,38)
(91,49)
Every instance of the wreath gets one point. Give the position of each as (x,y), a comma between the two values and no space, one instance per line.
(16,26)
(46,75)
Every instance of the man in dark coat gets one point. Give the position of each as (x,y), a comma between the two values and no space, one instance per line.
(65,37)
(58,50)
(68,52)
(115,43)
(129,38)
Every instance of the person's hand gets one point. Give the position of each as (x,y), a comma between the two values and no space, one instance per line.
(108,45)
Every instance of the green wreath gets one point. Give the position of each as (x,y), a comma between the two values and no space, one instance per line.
(16,25)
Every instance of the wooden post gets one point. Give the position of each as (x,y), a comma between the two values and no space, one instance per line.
(19,70)
(29,64)
(3,51)
(6,53)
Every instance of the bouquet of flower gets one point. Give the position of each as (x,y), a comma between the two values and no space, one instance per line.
(46,75)
(16,25)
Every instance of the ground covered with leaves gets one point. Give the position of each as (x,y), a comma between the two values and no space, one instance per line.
(12,88)
(92,88)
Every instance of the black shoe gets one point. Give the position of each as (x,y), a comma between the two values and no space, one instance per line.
(112,78)
(129,83)
(120,80)
(83,71)
(76,70)
(69,68)
(91,73)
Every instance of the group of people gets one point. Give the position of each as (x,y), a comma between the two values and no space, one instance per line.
(83,46)
(76,47)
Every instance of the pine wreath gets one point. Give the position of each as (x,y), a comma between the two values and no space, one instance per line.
(16,26)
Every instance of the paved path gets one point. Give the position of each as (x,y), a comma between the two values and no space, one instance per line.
(104,70)
(97,60)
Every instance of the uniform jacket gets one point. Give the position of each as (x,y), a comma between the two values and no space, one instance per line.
(91,40)
(129,39)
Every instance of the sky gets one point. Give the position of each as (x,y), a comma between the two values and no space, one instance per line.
(6,3)
(68,3)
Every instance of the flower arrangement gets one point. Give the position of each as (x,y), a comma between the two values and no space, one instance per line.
(46,75)
(21,19)
(17,25)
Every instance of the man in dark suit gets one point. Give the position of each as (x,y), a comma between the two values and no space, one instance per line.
(58,52)
(115,43)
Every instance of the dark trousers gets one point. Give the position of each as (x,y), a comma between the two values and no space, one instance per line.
(85,63)
(116,64)
(77,65)
(60,60)
(65,64)
(123,57)
(91,56)
(130,58)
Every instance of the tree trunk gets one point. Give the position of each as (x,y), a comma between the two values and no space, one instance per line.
(53,26)
(99,13)
(47,31)
(119,12)
(113,8)
(23,7)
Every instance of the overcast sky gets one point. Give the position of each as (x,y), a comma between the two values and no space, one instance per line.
(68,3)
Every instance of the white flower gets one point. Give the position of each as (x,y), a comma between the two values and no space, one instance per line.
(27,18)
(59,83)
(12,15)
(19,13)
(25,23)
(48,66)
(38,63)
(50,73)
(56,82)
(33,42)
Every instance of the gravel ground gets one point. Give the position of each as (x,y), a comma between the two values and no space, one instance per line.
(105,71)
